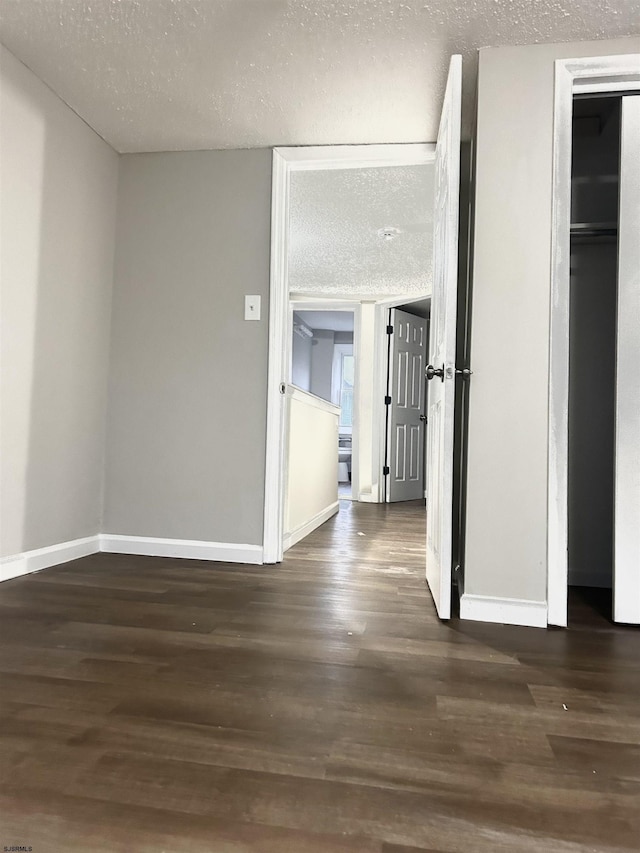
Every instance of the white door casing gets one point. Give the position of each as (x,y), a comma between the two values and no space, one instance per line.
(442,346)
(405,442)
(626,544)
(584,75)
(285,161)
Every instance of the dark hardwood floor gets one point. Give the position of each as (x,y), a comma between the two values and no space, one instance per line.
(314,707)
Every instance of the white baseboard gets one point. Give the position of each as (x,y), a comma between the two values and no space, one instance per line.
(507,611)
(290,539)
(191,549)
(187,549)
(43,558)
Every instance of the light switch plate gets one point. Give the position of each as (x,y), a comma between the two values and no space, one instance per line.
(252,308)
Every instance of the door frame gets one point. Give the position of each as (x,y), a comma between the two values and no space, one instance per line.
(286,161)
(584,75)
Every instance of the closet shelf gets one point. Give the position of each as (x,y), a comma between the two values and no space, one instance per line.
(597,230)
(595,179)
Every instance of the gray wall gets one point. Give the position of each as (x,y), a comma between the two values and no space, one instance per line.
(592,354)
(187,404)
(322,363)
(592,382)
(343,338)
(301,361)
(59,183)
(506,534)
(312,360)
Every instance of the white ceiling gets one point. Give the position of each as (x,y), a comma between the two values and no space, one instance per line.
(334,321)
(335,217)
(161,75)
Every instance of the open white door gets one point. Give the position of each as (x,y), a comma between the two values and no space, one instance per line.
(626,546)
(442,346)
(405,413)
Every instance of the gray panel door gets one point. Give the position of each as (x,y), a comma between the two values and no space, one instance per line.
(405,437)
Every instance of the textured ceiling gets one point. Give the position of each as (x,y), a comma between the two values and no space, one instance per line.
(334,222)
(159,75)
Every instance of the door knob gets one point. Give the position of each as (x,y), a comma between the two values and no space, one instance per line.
(423,418)
(435,371)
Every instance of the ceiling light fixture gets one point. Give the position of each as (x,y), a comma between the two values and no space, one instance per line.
(302,331)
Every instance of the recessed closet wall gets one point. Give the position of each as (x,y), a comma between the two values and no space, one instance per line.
(592,339)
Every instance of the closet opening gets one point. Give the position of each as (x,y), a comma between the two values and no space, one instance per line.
(595,184)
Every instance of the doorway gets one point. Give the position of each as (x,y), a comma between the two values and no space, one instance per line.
(436,260)
(324,363)
(295,282)
(594,402)
(592,341)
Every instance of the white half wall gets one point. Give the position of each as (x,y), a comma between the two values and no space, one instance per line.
(58,214)
(312,464)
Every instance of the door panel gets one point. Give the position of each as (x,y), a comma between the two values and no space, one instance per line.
(415,442)
(442,346)
(626,548)
(407,361)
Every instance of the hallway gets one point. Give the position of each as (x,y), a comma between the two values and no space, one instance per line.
(314,707)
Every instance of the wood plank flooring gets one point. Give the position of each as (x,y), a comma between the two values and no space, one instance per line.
(314,707)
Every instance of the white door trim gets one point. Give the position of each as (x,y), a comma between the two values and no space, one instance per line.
(583,75)
(285,161)
(277,369)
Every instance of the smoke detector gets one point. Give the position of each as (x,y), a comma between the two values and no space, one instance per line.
(389,232)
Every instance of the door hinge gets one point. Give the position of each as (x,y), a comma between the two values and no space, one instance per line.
(385,470)
(387,400)
(389,330)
